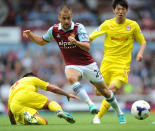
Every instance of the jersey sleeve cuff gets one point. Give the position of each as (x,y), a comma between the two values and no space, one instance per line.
(85,41)
(44,39)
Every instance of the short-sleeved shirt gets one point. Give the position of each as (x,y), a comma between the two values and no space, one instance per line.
(73,55)
(118,41)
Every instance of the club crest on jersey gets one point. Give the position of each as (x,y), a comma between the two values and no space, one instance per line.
(58,36)
(72,34)
(141,31)
(98,29)
(128,27)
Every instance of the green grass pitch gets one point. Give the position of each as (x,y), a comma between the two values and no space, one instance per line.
(83,123)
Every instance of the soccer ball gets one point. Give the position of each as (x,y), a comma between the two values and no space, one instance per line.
(140,109)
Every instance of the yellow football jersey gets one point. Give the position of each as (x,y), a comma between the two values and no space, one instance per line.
(119,40)
(28,84)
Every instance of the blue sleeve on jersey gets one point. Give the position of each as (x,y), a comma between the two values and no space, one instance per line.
(82,33)
(48,35)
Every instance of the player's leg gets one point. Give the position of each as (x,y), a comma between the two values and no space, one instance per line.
(119,78)
(55,107)
(31,118)
(73,76)
(41,120)
(52,106)
(103,109)
(93,74)
(115,80)
(31,102)
(114,86)
(106,73)
(22,107)
(110,100)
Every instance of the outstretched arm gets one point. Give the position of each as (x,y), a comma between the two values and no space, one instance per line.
(140,53)
(11,117)
(57,90)
(33,37)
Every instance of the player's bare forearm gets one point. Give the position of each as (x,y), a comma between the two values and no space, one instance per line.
(11,117)
(140,53)
(57,90)
(83,45)
(37,39)
(33,37)
(142,48)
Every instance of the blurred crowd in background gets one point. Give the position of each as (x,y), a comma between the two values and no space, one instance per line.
(49,64)
(34,13)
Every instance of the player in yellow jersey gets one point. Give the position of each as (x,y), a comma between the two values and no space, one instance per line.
(24,101)
(120,33)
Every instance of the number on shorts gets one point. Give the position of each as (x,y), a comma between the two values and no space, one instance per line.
(98,74)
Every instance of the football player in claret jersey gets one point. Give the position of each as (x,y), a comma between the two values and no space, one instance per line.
(120,33)
(24,101)
(73,42)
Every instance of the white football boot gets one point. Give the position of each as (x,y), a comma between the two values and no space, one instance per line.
(96,120)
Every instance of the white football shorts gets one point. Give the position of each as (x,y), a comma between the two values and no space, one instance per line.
(91,72)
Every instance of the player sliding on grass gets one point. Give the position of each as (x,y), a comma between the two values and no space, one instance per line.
(73,42)
(24,101)
(120,33)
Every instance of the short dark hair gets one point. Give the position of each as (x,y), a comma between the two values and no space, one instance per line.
(65,8)
(30,74)
(123,3)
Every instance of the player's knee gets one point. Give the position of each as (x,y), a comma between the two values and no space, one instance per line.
(46,104)
(103,91)
(98,93)
(72,80)
(46,122)
(114,90)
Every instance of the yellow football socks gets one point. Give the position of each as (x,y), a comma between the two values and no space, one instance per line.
(104,108)
(54,106)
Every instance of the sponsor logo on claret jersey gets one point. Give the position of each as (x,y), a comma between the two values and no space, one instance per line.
(66,45)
